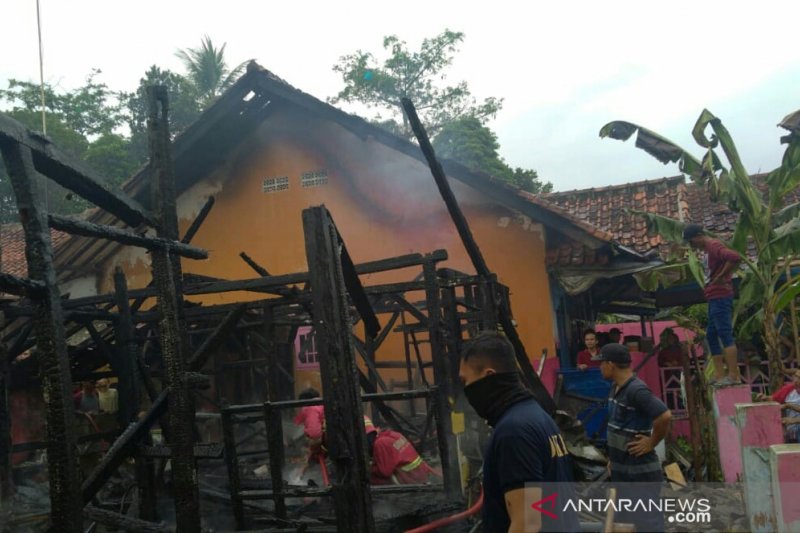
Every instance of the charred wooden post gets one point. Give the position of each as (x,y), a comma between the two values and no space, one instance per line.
(344,413)
(126,442)
(537,387)
(88,229)
(232,462)
(70,173)
(167,276)
(452,331)
(124,523)
(444,385)
(274,425)
(128,372)
(198,221)
(62,450)
(6,480)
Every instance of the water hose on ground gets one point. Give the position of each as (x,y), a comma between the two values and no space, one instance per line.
(450,519)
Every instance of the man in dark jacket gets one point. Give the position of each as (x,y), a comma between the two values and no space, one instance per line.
(525,449)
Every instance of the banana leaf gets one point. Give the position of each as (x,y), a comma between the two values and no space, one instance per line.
(747,197)
(786,239)
(654,144)
(786,294)
(791,122)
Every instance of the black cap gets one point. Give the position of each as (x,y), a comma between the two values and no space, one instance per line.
(615,353)
(691,231)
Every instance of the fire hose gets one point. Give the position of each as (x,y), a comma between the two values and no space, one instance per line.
(450,519)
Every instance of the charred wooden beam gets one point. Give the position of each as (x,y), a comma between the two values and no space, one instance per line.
(201,451)
(344,413)
(356,291)
(88,229)
(198,221)
(166,269)
(62,453)
(123,522)
(261,271)
(537,387)
(71,174)
(130,374)
(126,443)
(20,286)
(6,478)
(127,354)
(444,381)
(274,425)
(232,463)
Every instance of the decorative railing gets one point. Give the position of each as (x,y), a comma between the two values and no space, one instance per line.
(754,374)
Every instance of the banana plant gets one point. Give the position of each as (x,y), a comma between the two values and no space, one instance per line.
(767,233)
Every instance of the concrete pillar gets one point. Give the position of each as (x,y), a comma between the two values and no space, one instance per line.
(725,400)
(784,465)
(759,426)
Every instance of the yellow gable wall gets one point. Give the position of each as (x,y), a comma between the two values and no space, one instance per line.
(384,203)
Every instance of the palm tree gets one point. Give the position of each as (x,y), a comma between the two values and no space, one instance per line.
(208,71)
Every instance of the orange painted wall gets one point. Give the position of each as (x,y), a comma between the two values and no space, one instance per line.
(384,203)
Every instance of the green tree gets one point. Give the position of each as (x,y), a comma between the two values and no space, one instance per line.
(765,224)
(475,146)
(90,110)
(184,106)
(415,75)
(208,70)
(82,123)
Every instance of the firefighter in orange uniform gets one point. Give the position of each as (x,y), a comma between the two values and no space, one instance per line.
(395,461)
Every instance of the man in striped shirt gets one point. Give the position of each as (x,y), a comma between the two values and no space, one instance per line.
(637,422)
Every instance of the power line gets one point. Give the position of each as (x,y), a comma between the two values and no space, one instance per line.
(41,92)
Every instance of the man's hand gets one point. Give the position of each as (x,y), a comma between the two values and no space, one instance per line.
(582,367)
(790,421)
(761,397)
(640,445)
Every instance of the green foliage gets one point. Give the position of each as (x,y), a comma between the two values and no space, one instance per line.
(110,156)
(208,70)
(416,75)
(89,110)
(184,106)
(475,146)
(765,223)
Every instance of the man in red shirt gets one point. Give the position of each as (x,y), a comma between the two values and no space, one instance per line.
(395,461)
(789,398)
(590,357)
(720,264)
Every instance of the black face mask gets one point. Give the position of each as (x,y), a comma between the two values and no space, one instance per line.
(493,395)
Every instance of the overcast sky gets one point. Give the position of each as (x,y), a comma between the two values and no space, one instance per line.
(563,68)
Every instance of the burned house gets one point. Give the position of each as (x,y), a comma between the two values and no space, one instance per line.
(214,288)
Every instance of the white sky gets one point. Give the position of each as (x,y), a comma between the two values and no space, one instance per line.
(564,68)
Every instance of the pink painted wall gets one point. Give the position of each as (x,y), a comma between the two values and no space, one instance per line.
(788,470)
(725,401)
(761,425)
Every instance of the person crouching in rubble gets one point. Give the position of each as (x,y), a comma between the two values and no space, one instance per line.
(526,455)
(312,418)
(637,422)
(395,461)
(789,398)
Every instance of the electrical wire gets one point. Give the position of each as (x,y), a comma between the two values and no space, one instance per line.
(41,89)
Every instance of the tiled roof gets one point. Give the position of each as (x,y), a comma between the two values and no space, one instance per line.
(608,208)
(12,243)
